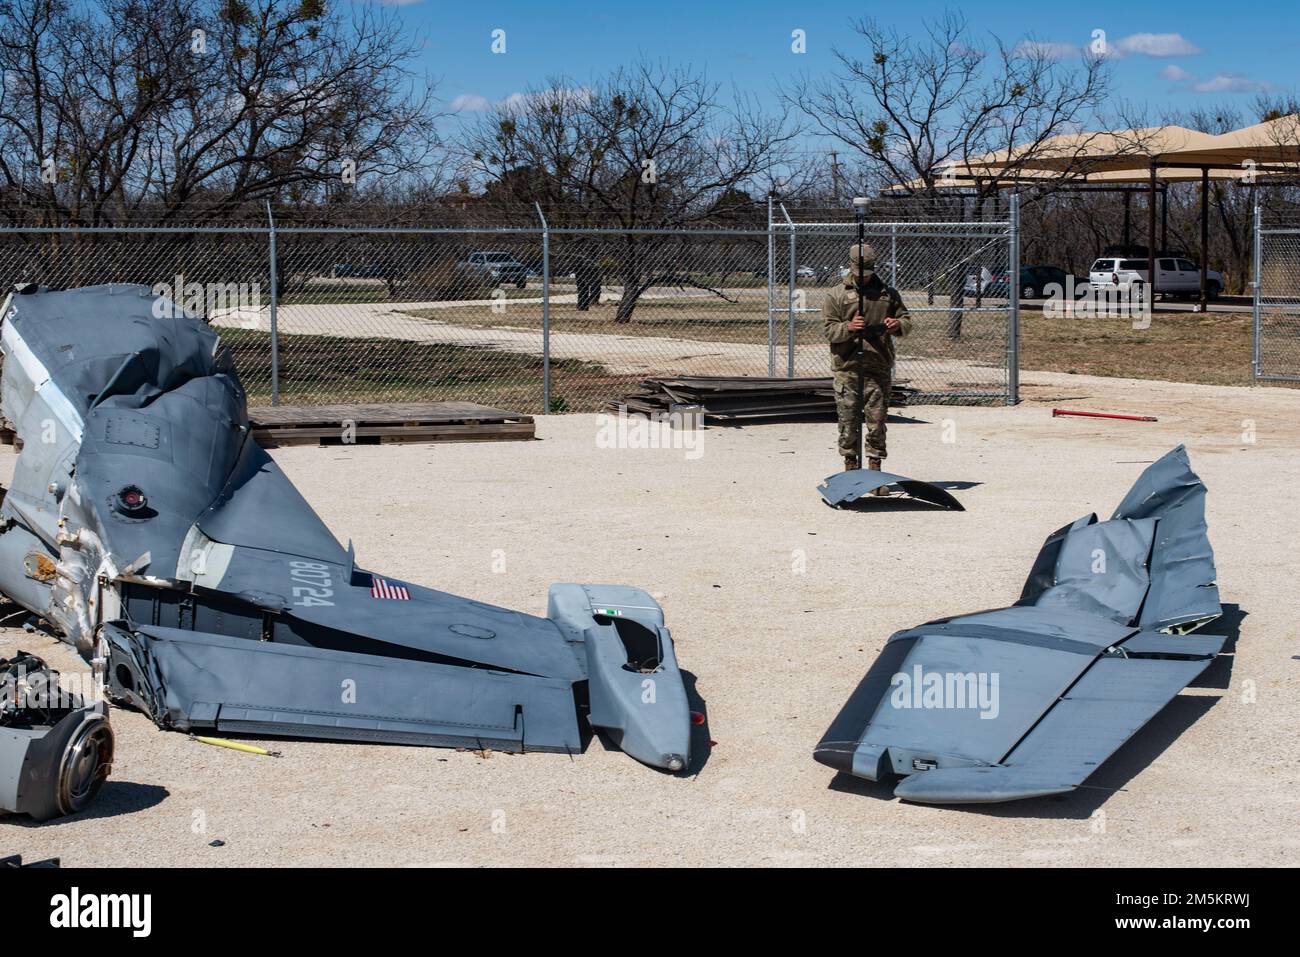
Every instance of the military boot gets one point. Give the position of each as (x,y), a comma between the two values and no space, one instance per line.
(873,464)
(852,463)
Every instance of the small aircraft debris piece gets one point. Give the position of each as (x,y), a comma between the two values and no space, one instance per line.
(236,746)
(1028,700)
(844,487)
(213,597)
(56,749)
(1105,415)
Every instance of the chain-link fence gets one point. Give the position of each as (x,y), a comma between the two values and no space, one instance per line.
(1277,301)
(955,277)
(540,318)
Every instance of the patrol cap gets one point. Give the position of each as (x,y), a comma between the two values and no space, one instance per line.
(868,256)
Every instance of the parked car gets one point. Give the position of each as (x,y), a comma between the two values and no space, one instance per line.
(980,283)
(497,268)
(1035,282)
(1174,276)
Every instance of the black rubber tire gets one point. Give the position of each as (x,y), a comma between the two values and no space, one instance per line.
(69,767)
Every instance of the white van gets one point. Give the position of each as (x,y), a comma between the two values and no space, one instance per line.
(1174,276)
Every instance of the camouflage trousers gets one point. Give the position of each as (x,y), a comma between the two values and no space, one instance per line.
(875,400)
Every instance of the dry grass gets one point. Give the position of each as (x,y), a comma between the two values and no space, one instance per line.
(1208,349)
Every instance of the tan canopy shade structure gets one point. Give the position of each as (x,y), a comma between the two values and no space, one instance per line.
(967,175)
(1266,144)
(1157,155)
(1090,152)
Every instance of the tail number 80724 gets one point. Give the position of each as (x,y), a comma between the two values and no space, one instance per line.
(312,585)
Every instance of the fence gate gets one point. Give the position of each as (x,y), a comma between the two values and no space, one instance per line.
(1277,302)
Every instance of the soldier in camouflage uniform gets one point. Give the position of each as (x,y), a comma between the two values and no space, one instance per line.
(884,318)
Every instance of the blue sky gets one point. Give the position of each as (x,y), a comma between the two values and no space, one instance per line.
(1173,56)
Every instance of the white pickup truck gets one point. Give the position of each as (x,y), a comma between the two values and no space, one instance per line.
(497,268)
(1174,276)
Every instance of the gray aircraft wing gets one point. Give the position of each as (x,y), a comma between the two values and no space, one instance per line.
(1029,700)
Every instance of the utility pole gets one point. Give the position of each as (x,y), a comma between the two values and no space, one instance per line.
(835,175)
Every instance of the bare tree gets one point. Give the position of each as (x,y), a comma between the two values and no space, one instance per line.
(646,147)
(914,110)
(186,108)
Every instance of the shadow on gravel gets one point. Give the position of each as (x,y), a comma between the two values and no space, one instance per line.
(115,799)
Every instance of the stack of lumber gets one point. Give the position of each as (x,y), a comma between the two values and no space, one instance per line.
(740,397)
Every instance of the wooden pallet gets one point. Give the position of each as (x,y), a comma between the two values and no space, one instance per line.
(380,423)
(384,423)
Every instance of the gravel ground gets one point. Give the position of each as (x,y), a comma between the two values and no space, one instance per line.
(778,604)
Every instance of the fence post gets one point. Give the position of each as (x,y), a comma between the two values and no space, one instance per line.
(546,310)
(1257,253)
(275,295)
(794,289)
(893,255)
(771,279)
(1013,293)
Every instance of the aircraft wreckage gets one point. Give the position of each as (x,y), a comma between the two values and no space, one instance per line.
(150,529)
(1027,701)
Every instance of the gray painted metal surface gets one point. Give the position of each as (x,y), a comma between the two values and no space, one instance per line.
(851,485)
(1029,700)
(156,535)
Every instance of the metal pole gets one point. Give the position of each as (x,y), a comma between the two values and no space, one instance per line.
(794,279)
(860,409)
(1257,305)
(1205,234)
(546,310)
(771,278)
(893,255)
(1164,218)
(1013,295)
(275,295)
(1151,237)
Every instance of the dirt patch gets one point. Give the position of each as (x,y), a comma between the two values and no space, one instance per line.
(1205,348)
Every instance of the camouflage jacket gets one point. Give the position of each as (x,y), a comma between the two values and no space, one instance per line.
(880,302)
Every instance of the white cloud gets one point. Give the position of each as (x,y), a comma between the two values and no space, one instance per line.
(1232,83)
(516,102)
(1176,74)
(1156,45)
(1047,49)
(470,103)
(1219,83)
(564,96)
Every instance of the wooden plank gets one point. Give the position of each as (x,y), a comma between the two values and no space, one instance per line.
(380,423)
(372,435)
(381,414)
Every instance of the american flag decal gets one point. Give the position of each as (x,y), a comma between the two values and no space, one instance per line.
(384,589)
